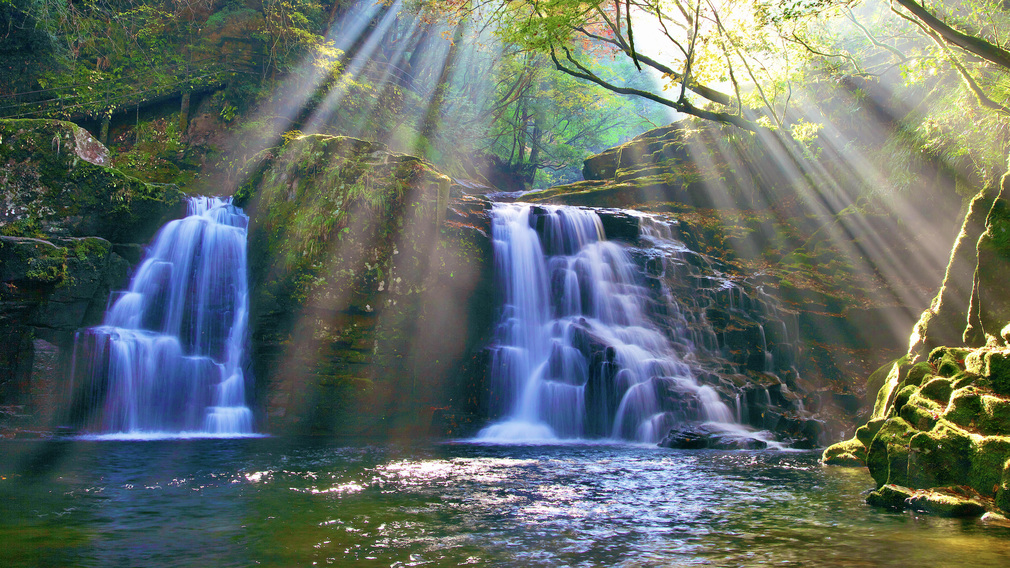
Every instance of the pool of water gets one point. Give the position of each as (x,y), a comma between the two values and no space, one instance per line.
(280,502)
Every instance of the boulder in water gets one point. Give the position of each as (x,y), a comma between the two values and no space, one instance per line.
(711,436)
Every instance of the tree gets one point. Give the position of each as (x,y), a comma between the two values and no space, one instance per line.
(699,49)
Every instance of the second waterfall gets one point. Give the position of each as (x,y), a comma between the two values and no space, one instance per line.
(575,354)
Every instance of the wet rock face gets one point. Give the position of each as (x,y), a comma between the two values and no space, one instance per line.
(368,303)
(48,289)
(65,219)
(943,437)
(741,339)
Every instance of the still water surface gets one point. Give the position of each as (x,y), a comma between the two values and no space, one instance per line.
(277,502)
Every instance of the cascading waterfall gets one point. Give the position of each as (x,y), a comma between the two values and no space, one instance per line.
(574,353)
(168,357)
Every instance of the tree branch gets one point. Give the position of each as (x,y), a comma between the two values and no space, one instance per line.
(991,53)
(581,72)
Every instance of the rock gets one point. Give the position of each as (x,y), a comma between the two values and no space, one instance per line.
(994,365)
(939,457)
(989,311)
(890,496)
(711,436)
(352,268)
(887,454)
(850,453)
(1003,491)
(937,389)
(945,322)
(55,183)
(944,503)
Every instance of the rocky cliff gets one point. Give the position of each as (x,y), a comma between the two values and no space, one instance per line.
(370,291)
(737,206)
(69,230)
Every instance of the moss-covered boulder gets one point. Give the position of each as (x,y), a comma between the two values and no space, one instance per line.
(55,180)
(945,436)
(370,291)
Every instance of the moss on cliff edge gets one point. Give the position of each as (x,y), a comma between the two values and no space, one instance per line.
(55,180)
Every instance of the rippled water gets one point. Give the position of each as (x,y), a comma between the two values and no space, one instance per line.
(279,502)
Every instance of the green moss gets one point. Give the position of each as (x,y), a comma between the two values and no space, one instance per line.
(987,460)
(850,453)
(938,389)
(889,388)
(917,373)
(995,416)
(1003,492)
(921,412)
(939,457)
(887,455)
(965,407)
(945,504)
(866,432)
(901,398)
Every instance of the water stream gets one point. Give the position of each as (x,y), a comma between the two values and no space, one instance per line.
(168,357)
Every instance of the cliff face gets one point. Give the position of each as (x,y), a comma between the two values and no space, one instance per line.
(370,292)
(69,230)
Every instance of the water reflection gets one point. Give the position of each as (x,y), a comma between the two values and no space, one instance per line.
(283,503)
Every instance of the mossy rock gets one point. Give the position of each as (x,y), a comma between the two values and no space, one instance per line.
(57,184)
(938,389)
(850,453)
(942,456)
(988,458)
(965,407)
(889,385)
(948,502)
(901,398)
(963,379)
(992,364)
(948,361)
(995,417)
(917,373)
(889,496)
(887,454)
(921,412)
(1003,492)
(866,432)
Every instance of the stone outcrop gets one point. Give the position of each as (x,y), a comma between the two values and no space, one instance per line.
(68,233)
(369,292)
(941,442)
(939,436)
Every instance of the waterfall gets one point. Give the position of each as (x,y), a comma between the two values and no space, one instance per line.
(574,353)
(168,356)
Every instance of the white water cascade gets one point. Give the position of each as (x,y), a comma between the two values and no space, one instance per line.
(575,354)
(167,359)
